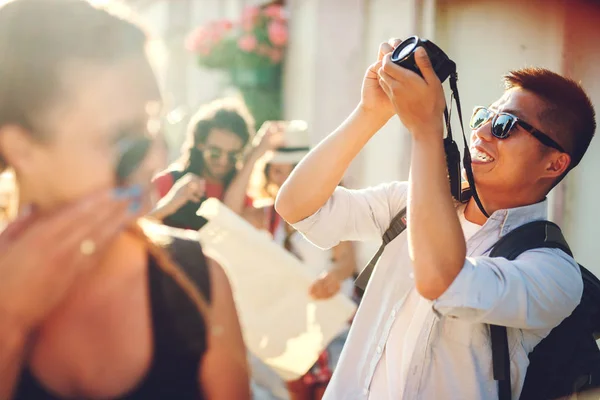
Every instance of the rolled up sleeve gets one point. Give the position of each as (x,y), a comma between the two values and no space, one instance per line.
(536,291)
(354,215)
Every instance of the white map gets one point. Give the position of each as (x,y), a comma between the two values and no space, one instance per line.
(282,324)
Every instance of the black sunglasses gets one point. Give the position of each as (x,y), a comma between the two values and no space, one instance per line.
(131,153)
(503,123)
(215,153)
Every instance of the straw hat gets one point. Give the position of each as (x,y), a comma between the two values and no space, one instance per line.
(296,144)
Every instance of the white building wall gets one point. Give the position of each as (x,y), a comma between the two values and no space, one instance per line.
(301,66)
(582,60)
(486,38)
(333,41)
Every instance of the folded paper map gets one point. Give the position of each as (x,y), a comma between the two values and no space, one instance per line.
(282,324)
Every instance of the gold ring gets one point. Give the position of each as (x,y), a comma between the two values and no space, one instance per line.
(87,247)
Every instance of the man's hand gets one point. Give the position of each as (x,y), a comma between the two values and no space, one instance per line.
(419,102)
(315,178)
(373,99)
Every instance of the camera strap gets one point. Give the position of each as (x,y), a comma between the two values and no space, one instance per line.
(398,224)
(452,157)
(463,196)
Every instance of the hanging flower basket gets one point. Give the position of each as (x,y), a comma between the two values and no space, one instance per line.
(259,77)
(257,41)
(251,50)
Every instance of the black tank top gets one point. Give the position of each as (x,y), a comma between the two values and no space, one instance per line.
(179,334)
(185,217)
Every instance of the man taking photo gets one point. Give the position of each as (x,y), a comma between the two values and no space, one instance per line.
(422,329)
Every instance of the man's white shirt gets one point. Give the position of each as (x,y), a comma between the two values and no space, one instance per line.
(402,346)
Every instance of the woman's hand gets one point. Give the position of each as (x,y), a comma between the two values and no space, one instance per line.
(270,136)
(42,256)
(190,187)
(326,286)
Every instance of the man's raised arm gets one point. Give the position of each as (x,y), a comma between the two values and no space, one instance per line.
(313,181)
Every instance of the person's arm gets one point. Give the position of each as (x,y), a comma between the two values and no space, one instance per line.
(235,195)
(163,184)
(164,208)
(315,178)
(269,137)
(12,354)
(224,372)
(343,267)
(255,216)
(436,242)
(344,261)
(354,215)
(536,291)
(175,195)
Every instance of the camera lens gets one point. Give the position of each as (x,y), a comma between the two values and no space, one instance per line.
(404,49)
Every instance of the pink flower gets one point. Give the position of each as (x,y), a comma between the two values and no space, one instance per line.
(278,33)
(215,35)
(223,25)
(196,39)
(249,16)
(247,43)
(274,11)
(250,13)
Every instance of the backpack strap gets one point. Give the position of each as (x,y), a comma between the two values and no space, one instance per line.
(397,226)
(537,234)
(534,235)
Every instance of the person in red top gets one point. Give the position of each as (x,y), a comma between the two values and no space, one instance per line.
(217,161)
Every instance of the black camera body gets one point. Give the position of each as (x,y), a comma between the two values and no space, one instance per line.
(404,56)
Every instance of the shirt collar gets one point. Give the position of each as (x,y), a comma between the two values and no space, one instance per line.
(513,218)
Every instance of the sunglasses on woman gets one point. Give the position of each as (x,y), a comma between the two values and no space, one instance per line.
(503,123)
(131,153)
(215,153)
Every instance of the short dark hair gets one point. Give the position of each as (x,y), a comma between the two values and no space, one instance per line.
(569,112)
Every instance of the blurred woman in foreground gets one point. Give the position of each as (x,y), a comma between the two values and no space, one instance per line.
(92,305)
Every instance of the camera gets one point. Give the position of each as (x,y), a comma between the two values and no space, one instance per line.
(404,56)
